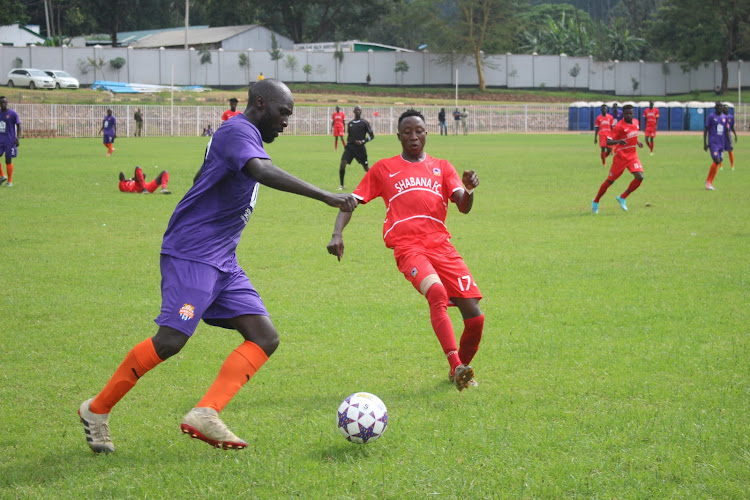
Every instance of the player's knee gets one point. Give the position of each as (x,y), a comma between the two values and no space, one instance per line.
(427,283)
(266,338)
(638,176)
(168,342)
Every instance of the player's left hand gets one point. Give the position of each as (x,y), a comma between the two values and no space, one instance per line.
(470,179)
(336,246)
(640,144)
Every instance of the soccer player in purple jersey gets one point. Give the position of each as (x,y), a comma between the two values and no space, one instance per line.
(728,142)
(713,141)
(10,129)
(109,132)
(201,278)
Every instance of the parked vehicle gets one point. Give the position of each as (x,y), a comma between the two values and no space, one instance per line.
(63,79)
(32,78)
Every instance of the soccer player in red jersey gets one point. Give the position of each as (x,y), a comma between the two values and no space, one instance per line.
(138,183)
(625,139)
(417,189)
(602,129)
(652,118)
(338,121)
(232,111)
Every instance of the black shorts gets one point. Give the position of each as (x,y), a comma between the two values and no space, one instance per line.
(352,152)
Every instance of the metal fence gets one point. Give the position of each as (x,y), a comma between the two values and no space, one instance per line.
(67,120)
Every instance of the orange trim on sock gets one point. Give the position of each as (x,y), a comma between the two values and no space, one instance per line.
(10,172)
(237,370)
(136,364)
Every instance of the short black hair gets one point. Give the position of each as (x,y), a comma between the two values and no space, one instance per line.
(233,99)
(407,114)
(627,107)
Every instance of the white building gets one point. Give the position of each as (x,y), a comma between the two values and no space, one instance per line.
(17,35)
(252,36)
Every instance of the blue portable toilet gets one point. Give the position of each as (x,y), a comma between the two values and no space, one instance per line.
(639,115)
(663,123)
(676,115)
(595,108)
(573,112)
(696,115)
(584,117)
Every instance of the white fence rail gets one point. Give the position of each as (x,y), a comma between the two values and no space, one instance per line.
(66,120)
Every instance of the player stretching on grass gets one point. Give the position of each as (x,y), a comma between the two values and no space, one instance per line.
(624,138)
(652,118)
(417,189)
(713,138)
(138,183)
(602,130)
(201,278)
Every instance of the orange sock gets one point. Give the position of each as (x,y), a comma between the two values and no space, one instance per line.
(138,361)
(731,158)
(237,370)
(712,173)
(1,171)
(10,172)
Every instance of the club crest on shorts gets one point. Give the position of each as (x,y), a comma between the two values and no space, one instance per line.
(187,311)
(437,171)
(414,272)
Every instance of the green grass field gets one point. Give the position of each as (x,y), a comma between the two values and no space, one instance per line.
(614,364)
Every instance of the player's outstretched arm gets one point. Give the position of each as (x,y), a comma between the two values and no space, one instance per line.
(272,176)
(336,245)
(464,200)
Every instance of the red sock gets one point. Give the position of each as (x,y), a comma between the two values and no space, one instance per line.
(164,179)
(731,158)
(1,171)
(632,187)
(470,338)
(136,364)
(437,297)
(602,189)
(10,172)
(651,146)
(712,173)
(237,370)
(604,157)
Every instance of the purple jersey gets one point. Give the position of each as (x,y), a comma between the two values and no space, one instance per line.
(728,143)
(207,223)
(716,125)
(108,125)
(8,122)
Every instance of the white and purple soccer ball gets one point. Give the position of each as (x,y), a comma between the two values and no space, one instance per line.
(362,418)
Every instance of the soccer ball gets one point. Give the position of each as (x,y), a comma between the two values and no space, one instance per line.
(362,418)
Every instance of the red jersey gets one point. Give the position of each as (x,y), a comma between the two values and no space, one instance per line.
(604,123)
(629,132)
(228,114)
(652,117)
(338,119)
(416,197)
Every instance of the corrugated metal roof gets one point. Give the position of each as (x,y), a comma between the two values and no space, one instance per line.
(195,36)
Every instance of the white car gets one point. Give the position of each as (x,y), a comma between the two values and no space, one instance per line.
(63,79)
(32,78)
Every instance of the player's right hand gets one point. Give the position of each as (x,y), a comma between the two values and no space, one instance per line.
(336,246)
(344,202)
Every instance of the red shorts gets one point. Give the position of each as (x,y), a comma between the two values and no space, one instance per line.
(650,132)
(620,164)
(416,262)
(603,141)
(338,131)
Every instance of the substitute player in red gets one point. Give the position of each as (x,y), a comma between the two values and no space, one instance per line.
(602,130)
(651,114)
(138,184)
(417,189)
(338,122)
(625,139)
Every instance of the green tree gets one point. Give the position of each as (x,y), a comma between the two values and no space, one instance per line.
(619,43)
(204,54)
(275,54)
(96,64)
(307,69)
(117,63)
(697,31)
(574,72)
(401,67)
(568,35)
(244,62)
(291,64)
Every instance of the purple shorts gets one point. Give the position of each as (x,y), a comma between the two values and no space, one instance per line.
(108,139)
(191,291)
(9,151)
